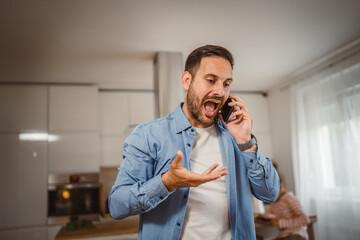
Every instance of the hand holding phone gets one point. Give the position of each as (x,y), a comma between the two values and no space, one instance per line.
(226,110)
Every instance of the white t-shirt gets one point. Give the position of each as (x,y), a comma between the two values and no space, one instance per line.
(206,214)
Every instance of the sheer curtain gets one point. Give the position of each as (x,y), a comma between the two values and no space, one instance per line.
(326,148)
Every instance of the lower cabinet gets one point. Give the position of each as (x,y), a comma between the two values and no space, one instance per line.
(23,181)
(31,233)
(52,231)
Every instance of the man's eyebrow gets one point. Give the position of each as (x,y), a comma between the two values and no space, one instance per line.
(215,76)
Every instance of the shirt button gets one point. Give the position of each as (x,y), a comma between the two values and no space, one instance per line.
(192,130)
(251,160)
(189,144)
(185,196)
(178,224)
(267,177)
(161,197)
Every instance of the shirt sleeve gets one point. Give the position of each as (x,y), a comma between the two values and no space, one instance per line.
(136,190)
(264,180)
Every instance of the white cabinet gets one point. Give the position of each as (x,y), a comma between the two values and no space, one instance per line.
(73,125)
(52,231)
(114,112)
(32,233)
(142,107)
(23,108)
(23,160)
(120,112)
(74,152)
(23,182)
(73,108)
(114,126)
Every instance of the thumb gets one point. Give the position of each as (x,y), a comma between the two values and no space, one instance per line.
(177,160)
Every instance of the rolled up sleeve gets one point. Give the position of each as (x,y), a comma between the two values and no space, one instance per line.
(263,177)
(136,190)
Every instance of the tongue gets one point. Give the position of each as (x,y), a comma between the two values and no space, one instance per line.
(209,108)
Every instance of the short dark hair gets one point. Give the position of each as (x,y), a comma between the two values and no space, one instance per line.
(193,61)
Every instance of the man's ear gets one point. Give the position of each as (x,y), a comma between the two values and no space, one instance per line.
(186,80)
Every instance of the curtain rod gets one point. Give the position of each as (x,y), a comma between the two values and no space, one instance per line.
(323,63)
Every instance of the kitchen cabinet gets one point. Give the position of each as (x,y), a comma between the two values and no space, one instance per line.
(74,152)
(23,181)
(23,108)
(73,108)
(142,107)
(52,231)
(114,125)
(114,114)
(73,125)
(120,113)
(31,233)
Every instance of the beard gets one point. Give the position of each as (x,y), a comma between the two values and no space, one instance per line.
(195,107)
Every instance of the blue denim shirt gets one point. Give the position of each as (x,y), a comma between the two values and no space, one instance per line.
(148,152)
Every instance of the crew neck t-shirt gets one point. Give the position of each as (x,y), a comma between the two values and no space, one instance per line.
(206,214)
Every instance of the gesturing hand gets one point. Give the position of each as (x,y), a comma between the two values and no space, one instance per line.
(178,176)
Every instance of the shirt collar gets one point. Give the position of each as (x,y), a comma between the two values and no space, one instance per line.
(182,123)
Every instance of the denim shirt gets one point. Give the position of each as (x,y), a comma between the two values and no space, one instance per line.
(148,152)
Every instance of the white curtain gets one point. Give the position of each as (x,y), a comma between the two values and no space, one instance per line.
(326,148)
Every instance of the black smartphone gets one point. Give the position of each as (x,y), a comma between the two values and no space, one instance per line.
(226,110)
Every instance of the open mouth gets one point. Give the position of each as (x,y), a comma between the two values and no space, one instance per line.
(211,106)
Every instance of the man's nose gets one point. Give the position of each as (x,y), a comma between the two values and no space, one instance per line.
(219,90)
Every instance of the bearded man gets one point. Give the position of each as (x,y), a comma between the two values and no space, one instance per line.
(190,175)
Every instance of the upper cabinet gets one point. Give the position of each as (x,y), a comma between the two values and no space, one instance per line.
(73,108)
(23,108)
(141,107)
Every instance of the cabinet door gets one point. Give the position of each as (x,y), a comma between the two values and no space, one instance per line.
(23,169)
(23,108)
(142,107)
(33,233)
(114,126)
(74,152)
(73,108)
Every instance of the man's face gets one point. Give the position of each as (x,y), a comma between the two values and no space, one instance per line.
(208,91)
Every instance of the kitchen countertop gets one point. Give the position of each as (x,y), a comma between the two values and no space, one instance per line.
(100,230)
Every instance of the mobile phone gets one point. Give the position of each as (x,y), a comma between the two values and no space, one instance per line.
(226,110)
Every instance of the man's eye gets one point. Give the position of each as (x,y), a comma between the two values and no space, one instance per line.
(210,80)
(227,84)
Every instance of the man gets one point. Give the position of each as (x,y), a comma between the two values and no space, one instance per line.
(170,173)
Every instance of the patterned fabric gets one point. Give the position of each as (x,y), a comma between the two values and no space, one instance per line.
(292,218)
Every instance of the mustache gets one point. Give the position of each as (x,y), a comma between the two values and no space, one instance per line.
(211,97)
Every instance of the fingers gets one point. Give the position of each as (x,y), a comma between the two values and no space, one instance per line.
(211,174)
(210,169)
(241,114)
(238,102)
(214,175)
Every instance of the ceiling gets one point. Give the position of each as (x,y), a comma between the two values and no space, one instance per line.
(114,42)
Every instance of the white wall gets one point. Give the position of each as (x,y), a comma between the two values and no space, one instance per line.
(280,125)
(259,110)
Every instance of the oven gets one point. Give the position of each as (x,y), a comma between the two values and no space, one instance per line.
(73,196)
